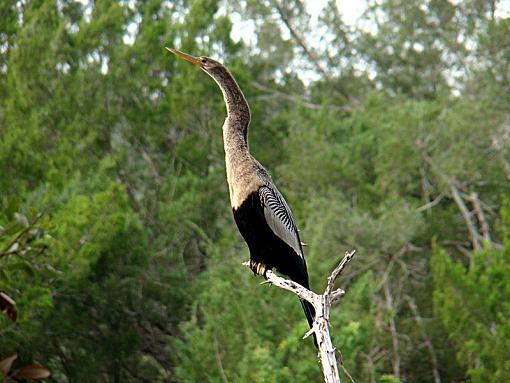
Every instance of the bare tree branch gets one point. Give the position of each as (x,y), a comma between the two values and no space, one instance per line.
(272,93)
(218,361)
(462,247)
(322,304)
(432,203)
(309,52)
(337,271)
(428,343)
(456,196)
(500,141)
(484,227)
(297,37)
(13,246)
(466,214)
(393,330)
(474,226)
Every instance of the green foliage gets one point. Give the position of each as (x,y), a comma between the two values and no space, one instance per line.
(116,239)
(235,326)
(23,243)
(473,306)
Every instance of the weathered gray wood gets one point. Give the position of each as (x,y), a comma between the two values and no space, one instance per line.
(322,304)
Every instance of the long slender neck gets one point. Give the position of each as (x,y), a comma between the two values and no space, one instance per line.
(235,129)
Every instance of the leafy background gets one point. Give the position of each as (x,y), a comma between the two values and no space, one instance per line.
(117,241)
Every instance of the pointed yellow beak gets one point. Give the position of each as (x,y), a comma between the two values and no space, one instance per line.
(185,56)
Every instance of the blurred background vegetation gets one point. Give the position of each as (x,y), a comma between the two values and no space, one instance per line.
(390,136)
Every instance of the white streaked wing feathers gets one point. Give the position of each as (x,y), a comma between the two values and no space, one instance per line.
(279,217)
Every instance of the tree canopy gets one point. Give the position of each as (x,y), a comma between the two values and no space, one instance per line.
(390,136)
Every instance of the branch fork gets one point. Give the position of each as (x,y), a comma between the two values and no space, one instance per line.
(322,304)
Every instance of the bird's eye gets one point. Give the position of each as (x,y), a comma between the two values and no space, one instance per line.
(204,60)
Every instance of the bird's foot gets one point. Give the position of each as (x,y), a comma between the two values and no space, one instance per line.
(258,268)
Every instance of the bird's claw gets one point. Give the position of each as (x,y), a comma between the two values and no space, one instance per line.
(258,268)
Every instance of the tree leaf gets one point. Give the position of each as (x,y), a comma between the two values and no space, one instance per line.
(6,364)
(32,371)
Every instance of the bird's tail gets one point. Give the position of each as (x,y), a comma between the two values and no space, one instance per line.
(310,316)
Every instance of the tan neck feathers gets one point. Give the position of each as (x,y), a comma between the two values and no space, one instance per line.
(241,167)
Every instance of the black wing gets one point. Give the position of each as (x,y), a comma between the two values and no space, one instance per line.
(279,217)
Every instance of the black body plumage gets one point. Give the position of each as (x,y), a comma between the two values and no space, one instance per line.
(265,246)
(260,211)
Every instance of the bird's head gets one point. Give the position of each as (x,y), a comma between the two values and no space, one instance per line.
(232,94)
(207,64)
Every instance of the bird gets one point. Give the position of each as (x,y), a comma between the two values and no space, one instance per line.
(260,211)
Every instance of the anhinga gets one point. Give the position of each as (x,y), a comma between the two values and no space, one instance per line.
(260,211)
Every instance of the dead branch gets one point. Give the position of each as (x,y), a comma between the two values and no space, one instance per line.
(474,226)
(309,52)
(218,361)
(477,208)
(431,204)
(272,93)
(466,214)
(500,141)
(393,330)
(322,304)
(428,342)
(301,42)
(462,247)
